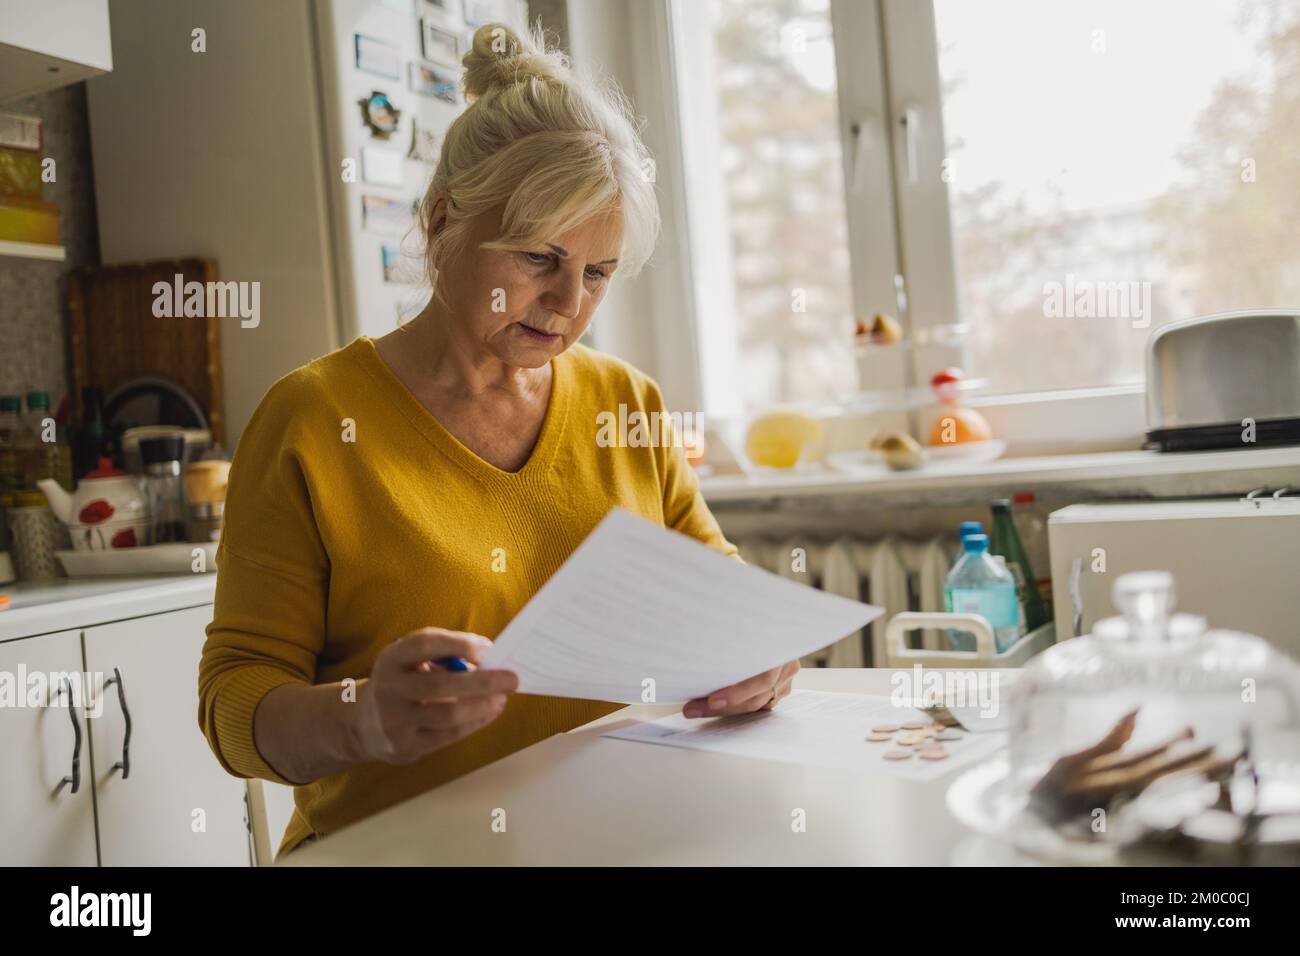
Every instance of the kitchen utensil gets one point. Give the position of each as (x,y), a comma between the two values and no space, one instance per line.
(107,511)
(1209,379)
(164,492)
(205,492)
(197,442)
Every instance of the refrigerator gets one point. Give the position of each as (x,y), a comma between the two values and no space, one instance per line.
(289,142)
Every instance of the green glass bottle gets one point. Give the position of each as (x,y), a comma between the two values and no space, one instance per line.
(1005,541)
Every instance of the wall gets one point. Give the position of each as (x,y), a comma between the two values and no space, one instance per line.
(220,154)
(33,339)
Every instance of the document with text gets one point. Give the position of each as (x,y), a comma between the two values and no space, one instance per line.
(822,729)
(643,614)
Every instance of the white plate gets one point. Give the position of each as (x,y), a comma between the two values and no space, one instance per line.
(177,558)
(972,452)
(856,462)
(979,799)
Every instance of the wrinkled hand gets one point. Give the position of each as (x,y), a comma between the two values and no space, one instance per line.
(747,696)
(409,706)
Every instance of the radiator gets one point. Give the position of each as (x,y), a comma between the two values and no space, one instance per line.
(894,573)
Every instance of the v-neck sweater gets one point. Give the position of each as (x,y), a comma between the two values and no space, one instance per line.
(354,516)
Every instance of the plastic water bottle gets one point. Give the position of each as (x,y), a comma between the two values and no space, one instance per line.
(979,585)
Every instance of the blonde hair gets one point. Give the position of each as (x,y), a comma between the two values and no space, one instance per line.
(553,148)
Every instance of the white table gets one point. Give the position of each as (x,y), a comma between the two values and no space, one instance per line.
(579,799)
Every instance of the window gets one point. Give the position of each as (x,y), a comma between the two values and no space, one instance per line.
(774,70)
(1050,180)
(1112,167)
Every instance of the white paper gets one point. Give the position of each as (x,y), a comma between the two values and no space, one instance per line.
(818,729)
(641,614)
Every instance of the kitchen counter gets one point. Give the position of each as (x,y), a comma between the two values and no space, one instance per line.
(42,607)
(581,799)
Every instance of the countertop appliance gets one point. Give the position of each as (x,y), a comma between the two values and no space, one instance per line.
(1230,380)
(1234,560)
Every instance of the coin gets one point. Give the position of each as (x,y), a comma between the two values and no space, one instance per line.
(884,728)
(898,755)
(911,740)
(948,735)
(933,753)
(879,738)
(913,725)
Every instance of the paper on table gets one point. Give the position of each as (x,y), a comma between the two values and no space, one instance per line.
(636,602)
(818,729)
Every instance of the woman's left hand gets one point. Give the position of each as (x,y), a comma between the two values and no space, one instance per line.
(760,692)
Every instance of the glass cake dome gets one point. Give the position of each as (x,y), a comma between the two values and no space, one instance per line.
(1096,720)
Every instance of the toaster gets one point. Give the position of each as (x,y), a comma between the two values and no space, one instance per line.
(1229,380)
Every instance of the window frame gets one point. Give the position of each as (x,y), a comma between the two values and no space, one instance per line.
(898,225)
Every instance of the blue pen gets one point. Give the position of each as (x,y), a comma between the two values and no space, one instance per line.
(452,664)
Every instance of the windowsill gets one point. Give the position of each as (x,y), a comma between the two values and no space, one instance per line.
(1052,469)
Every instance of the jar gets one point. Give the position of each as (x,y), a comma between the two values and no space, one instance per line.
(35,537)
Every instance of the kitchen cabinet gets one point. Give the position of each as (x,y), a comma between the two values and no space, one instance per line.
(163,800)
(46,44)
(154,797)
(47,819)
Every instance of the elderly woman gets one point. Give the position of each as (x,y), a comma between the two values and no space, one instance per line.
(396,500)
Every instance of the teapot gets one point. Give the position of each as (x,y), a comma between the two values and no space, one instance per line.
(105,513)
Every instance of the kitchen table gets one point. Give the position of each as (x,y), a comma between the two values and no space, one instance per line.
(582,799)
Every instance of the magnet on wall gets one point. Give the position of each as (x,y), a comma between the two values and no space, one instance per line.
(379,114)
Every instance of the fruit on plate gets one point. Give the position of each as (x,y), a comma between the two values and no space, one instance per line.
(956,426)
(881,330)
(900,451)
(781,439)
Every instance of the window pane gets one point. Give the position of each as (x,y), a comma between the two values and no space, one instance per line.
(774,65)
(1115,166)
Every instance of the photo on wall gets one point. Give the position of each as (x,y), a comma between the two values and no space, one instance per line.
(434,81)
(377,57)
(479,12)
(438,44)
(384,215)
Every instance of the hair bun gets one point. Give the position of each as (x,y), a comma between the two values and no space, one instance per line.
(500,58)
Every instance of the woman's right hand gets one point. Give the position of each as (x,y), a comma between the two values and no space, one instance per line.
(409,706)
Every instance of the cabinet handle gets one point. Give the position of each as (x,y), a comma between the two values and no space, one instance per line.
(75,779)
(124,764)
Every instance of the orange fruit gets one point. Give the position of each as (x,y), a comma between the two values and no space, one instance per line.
(955,426)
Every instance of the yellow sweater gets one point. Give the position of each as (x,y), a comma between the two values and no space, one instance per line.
(353,516)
